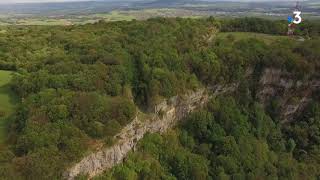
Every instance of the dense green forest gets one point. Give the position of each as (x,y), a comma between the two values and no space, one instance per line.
(79,85)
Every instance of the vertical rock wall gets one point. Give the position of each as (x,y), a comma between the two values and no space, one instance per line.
(166,115)
(273,84)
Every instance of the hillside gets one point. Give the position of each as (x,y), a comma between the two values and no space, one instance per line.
(82,89)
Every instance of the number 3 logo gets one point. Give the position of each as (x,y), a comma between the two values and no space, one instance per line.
(297,18)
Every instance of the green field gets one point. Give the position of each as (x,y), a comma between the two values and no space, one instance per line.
(7,101)
(245,35)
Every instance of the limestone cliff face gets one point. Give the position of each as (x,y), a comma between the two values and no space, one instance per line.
(165,116)
(293,95)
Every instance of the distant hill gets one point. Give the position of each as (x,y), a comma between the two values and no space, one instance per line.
(62,8)
(105,6)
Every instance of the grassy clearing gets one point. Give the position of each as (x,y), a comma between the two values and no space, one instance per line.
(7,101)
(245,35)
(113,16)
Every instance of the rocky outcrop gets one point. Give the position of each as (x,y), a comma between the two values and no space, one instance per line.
(165,116)
(273,83)
(293,95)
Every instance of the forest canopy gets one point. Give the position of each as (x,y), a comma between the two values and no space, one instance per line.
(79,85)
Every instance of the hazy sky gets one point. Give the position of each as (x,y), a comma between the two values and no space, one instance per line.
(32,1)
(24,1)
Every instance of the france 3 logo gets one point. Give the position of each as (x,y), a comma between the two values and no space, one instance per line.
(297,19)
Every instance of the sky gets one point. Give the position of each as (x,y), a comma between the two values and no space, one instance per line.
(38,1)
(34,1)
